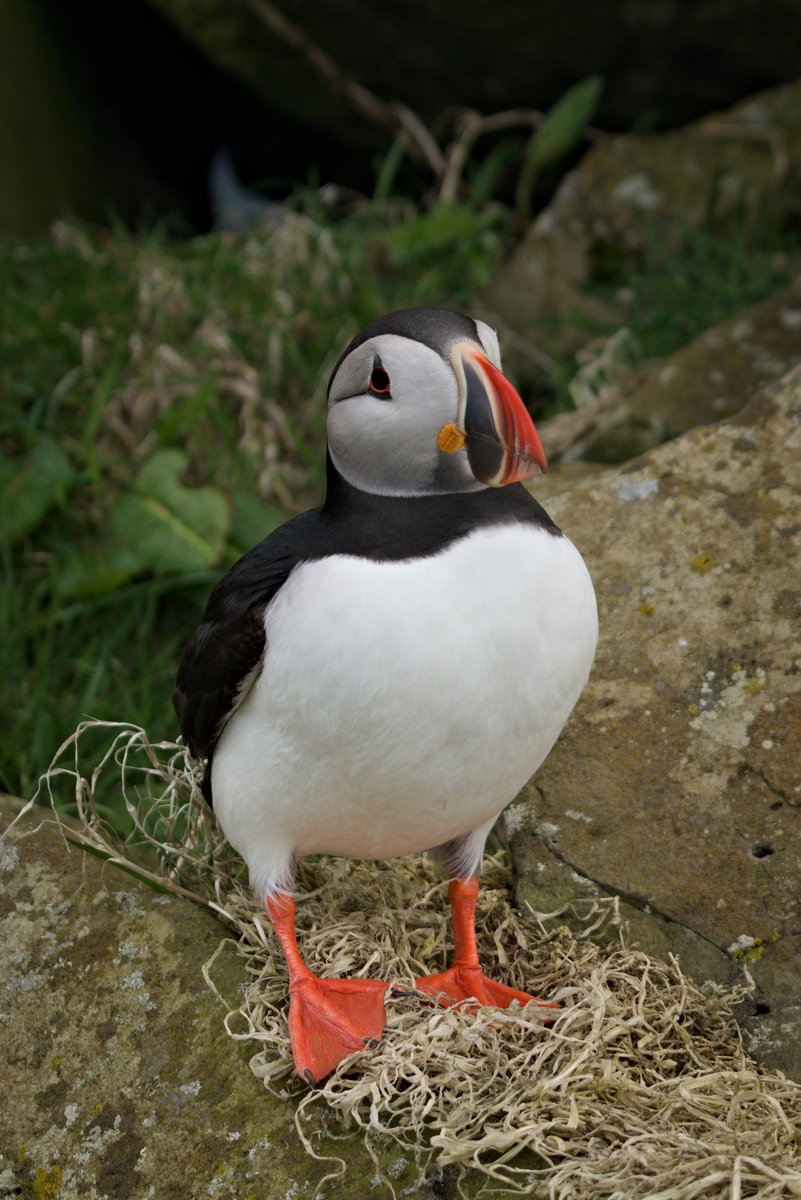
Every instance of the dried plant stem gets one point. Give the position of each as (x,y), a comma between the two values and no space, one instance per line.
(395,118)
(470,126)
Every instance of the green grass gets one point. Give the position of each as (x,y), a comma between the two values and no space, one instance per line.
(684,280)
(700,277)
(111,658)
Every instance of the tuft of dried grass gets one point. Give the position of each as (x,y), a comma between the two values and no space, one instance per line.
(638,1087)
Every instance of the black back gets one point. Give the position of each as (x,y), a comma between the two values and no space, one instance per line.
(227,649)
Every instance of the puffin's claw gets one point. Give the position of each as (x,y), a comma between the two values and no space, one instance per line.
(330,1019)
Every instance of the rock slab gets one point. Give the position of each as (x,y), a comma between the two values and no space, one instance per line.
(676,782)
(118,1078)
(710,378)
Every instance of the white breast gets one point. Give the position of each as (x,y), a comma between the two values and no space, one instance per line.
(403,704)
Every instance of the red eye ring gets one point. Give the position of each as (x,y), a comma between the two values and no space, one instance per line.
(379,383)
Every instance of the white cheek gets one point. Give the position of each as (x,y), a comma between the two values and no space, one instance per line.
(389,447)
(376,447)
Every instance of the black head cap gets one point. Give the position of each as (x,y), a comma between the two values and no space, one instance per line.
(437,328)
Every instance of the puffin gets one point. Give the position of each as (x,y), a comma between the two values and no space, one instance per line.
(382,674)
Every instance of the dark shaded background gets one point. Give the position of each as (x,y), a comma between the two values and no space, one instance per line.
(120,108)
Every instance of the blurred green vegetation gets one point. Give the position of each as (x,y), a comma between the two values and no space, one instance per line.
(163,409)
(691,278)
(684,280)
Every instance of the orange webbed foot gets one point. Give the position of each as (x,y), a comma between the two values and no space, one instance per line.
(464,982)
(468,985)
(330,1019)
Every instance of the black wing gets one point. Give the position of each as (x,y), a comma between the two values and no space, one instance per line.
(225,654)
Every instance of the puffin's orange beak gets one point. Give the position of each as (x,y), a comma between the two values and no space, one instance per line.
(501,442)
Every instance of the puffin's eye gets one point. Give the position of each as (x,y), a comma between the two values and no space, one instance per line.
(379,383)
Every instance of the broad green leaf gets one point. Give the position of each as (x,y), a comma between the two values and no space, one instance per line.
(168,526)
(565,122)
(28,490)
(160,527)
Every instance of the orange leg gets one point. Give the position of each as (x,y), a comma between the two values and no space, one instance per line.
(328,1018)
(464,980)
